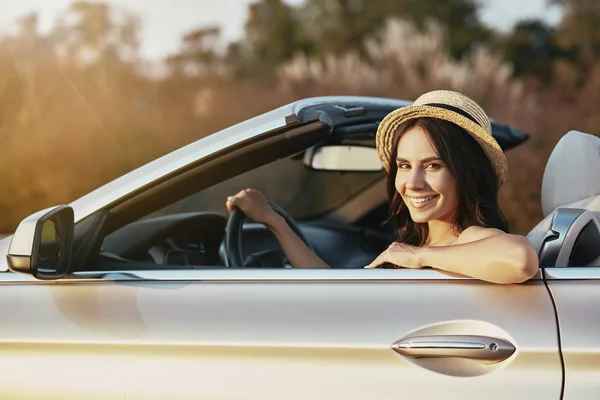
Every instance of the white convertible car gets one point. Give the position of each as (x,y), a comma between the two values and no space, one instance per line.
(146,289)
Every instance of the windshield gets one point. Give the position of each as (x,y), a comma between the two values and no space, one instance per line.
(303,192)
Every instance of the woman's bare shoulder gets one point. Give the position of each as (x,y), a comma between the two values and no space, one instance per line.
(474,233)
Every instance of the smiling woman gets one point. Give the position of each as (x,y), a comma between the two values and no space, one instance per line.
(444,171)
(438,164)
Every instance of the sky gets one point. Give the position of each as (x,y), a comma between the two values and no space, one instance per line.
(165,21)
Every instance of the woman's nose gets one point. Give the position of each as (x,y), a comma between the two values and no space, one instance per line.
(416,180)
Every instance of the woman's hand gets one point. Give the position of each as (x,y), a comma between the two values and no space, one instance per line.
(400,254)
(253,204)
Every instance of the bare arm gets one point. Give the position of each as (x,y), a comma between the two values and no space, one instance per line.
(487,254)
(295,249)
(255,206)
(500,258)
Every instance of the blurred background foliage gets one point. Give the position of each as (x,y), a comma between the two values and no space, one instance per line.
(79,107)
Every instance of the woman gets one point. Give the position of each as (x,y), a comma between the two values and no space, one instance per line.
(444,171)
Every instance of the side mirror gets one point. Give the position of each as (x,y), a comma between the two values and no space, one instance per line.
(42,244)
(343,158)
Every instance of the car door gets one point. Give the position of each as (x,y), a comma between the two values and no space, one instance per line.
(276,334)
(576,291)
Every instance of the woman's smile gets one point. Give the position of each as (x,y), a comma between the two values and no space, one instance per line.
(422,201)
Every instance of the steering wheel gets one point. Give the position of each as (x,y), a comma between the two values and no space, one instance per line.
(233,234)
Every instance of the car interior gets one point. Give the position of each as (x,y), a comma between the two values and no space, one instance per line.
(181,222)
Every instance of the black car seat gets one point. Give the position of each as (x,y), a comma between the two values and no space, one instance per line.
(569,234)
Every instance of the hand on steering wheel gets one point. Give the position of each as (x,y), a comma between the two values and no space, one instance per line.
(252,204)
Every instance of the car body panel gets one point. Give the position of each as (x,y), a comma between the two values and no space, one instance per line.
(576,292)
(247,334)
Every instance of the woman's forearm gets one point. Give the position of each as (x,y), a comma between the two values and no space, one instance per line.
(499,259)
(297,252)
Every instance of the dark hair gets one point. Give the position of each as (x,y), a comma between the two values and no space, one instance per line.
(475,177)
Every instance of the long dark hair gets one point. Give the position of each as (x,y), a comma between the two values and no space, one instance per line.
(476,181)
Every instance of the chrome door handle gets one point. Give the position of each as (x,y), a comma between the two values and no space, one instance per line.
(463,346)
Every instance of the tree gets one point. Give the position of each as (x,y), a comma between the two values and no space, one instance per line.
(271,38)
(577,35)
(95,34)
(337,26)
(532,50)
(198,55)
(460,18)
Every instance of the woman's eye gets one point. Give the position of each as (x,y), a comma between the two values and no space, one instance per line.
(403,166)
(433,166)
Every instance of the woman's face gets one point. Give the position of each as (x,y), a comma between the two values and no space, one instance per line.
(423,180)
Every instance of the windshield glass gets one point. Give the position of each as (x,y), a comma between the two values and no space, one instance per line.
(303,192)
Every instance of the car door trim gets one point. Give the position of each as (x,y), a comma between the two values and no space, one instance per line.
(249,275)
(572,273)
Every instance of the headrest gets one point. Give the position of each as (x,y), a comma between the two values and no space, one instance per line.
(572,172)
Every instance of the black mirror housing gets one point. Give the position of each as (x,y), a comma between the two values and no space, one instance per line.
(43,243)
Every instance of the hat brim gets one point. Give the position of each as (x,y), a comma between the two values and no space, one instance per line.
(390,124)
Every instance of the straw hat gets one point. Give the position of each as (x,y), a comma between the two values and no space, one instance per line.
(449,106)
